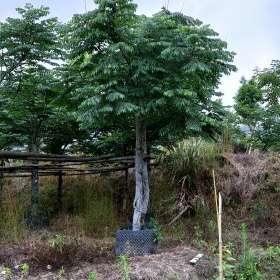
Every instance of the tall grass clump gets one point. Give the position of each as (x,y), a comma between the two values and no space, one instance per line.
(100,216)
(189,164)
(12,226)
(92,199)
(190,156)
(190,160)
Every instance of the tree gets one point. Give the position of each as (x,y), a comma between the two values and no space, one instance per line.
(159,70)
(36,107)
(28,41)
(30,89)
(248,105)
(29,46)
(257,106)
(269,83)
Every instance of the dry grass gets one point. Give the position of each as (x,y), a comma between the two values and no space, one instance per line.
(95,206)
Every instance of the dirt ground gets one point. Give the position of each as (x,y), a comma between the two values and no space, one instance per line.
(81,256)
(78,260)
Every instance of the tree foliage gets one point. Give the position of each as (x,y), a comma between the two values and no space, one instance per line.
(269,83)
(257,105)
(35,111)
(28,41)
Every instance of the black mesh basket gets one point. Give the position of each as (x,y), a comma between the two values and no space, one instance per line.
(138,242)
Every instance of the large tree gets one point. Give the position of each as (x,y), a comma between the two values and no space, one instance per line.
(161,70)
(36,110)
(33,101)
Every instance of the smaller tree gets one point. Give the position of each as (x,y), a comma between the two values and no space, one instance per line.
(269,83)
(28,41)
(248,106)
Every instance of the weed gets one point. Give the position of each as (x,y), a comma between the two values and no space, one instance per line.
(231,247)
(228,267)
(124,267)
(59,242)
(153,224)
(25,269)
(273,252)
(259,211)
(198,241)
(104,248)
(189,157)
(213,247)
(7,272)
(48,199)
(247,265)
(11,229)
(61,271)
(92,276)
(212,229)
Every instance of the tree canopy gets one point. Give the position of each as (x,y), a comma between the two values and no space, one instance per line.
(35,111)
(257,106)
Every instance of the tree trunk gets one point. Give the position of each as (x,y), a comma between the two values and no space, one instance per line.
(142,192)
(34,192)
(59,190)
(1,185)
(34,187)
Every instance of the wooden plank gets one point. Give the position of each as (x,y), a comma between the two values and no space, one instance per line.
(54,157)
(196,259)
(48,157)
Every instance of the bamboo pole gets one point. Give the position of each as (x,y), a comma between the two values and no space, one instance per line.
(220,239)
(216,198)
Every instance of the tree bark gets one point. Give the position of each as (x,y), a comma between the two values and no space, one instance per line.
(59,190)
(1,185)
(34,187)
(34,192)
(142,191)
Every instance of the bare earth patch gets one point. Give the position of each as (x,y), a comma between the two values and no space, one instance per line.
(167,263)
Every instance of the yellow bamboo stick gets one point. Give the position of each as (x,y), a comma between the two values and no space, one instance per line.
(216,198)
(220,239)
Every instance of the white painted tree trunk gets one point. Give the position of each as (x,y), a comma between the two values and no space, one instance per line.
(142,192)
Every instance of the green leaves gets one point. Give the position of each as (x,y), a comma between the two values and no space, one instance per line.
(258,106)
(28,41)
(164,67)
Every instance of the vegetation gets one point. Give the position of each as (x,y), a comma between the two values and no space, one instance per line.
(65,243)
(133,74)
(257,107)
(124,267)
(110,77)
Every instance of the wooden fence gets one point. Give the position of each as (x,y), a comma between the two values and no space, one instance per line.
(35,165)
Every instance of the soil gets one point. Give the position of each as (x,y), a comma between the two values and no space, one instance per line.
(169,262)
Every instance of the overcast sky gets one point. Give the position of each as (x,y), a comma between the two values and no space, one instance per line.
(250,27)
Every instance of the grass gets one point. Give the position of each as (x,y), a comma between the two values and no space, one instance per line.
(12,225)
(92,206)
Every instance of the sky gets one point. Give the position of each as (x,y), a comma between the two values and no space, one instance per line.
(250,27)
